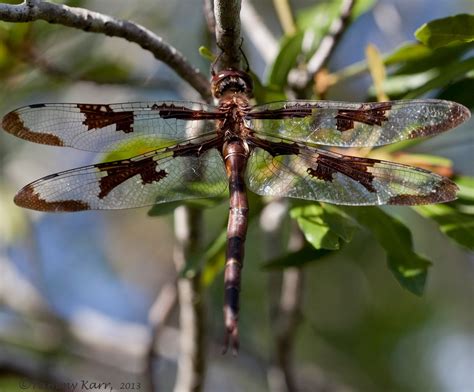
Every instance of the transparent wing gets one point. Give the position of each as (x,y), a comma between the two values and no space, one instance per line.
(112,127)
(154,177)
(347,124)
(315,174)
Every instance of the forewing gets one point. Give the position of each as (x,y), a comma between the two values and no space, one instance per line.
(345,124)
(155,177)
(314,174)
(112,127)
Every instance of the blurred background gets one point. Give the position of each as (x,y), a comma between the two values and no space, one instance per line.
(76,289)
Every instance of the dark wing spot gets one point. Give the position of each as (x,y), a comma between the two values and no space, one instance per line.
(183,113)
(370,114)
(353,167)
(445,191)
(28,198)
(457,115)
(100,116)
(121,171)
(13,124)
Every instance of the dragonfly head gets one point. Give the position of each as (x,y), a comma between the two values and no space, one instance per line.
(231,80)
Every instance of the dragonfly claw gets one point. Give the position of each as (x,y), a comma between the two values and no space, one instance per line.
(231,339)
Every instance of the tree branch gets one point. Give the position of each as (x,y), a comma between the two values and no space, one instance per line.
(228,39)
(298,78)
(83,19)
(191,363)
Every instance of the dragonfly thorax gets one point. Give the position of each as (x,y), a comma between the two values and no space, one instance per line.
(234,106)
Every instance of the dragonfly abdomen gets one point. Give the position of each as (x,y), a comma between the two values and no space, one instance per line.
(235,157)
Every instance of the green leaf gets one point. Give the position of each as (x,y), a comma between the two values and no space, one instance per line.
(210,260)
(167,208)
(466,187)
(447,31)
(206,53)
(361,7)
(460,91)
(456,225)
(410,51)
(264,94)
(297,259)
(415,58)
(323,225)
(290,49)
(444,77)
(318,17)
(409,268)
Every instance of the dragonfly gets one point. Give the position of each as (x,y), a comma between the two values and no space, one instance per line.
(197,150)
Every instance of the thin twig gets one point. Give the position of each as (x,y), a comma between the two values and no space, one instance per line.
(95,22)
(260,36)
(299,79)
(228,39)
(191,363)
(158,315)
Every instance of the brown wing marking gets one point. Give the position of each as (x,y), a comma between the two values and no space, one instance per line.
(370,114)
(28,198)
(120,171)
(326,165)
(100,116)
(13,124)
(445,191)
(353,167)
(184,113)
(457,115)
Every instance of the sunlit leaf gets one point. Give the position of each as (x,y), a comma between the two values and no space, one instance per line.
(323,225)
(377,71)
(409,268)
(318,17)
(129,148)
(207,53)
(362,6)
(410,51)
(447,31)
(466,187)
(456,225)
